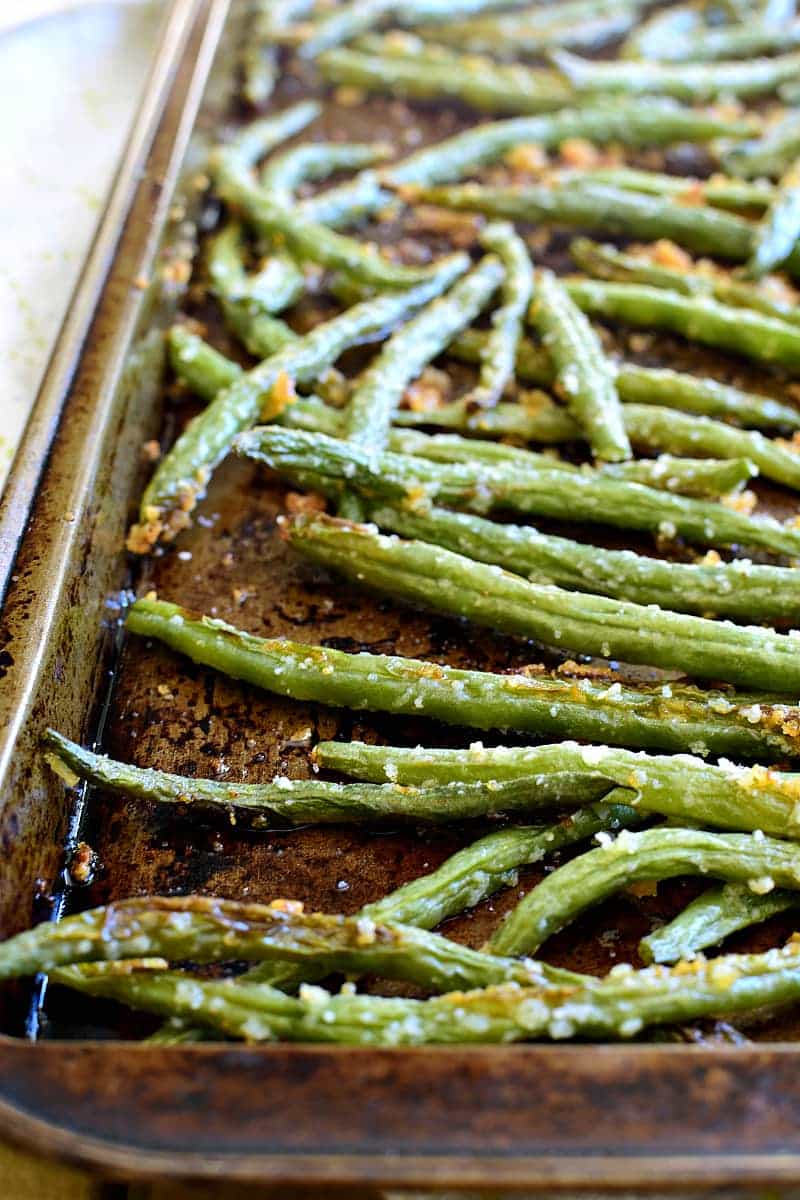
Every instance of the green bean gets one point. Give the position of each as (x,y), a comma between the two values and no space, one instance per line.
(680,787)
(573,23)
(701,319)
(657,854)
(632,123)
(485,85)
(206,929)
(711,918)
(619,1006)
(257,138)
(680,35)
(310,240)
(280,282)
(779,228)
(546,492)
(242,304)
(584,376)
(641,385)
(737,589)
(259,57)
(198,365)
(653,37)
(704,477)
(478,871)
(680,433)
(284,173)
(462,881)
(359,16)
(529,702)
(607,262)
(304,234)
(207,372)
(607,209)
(691,82)
(717,191)
(286,802)
(342,24)
(348,202)
(770,155)
(648,426)
(380,388)
(737,42)
(181,476)
(748,656)
(538,419)
(499,351)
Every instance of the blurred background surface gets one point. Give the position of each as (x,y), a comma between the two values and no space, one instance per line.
(71,74)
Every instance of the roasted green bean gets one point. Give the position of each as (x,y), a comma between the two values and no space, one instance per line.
(606,262)
(379,390)
(245,307)
(761,862)
(712,917)
(748,656)
(619,1006)
(606,209)
(499,351)
(298,455)
(632,123)
(182,475)
(284,172)
(485,85)
(717,191)
(771,155)
(574,23)
(678,35)
(285,802)
(259,54)
(738,589)
(690,82)
(779,228)
(698,318)
(647,385)
(682,718)
(205,929)
(681,787)
(687,476)
(584,376)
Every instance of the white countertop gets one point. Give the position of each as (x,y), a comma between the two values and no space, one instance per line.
(69,85)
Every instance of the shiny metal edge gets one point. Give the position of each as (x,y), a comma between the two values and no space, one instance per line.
(28,650)
(29,461)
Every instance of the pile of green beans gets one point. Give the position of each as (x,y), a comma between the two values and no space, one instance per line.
(329,265)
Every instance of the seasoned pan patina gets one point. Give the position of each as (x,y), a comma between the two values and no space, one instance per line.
(679,1115)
